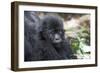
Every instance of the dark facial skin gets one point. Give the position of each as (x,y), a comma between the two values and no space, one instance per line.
(55,36)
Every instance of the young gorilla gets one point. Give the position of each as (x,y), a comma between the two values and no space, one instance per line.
(53,33)
(44,39)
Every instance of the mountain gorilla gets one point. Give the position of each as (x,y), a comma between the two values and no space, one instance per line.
(44,39)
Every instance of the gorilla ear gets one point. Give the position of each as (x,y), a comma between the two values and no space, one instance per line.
(41,36)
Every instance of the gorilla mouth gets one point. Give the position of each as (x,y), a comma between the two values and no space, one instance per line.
(57,41)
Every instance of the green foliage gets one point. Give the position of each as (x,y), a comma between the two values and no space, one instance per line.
(75,45)
(82,39)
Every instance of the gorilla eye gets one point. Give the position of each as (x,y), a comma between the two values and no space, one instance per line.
(51,31)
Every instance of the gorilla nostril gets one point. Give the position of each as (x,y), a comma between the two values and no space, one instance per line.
(57,39)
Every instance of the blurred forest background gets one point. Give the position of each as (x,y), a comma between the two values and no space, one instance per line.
(77,31)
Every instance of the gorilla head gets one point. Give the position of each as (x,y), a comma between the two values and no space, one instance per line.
(52,29)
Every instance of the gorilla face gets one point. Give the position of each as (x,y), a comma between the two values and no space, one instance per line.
(53,29)
(55,36)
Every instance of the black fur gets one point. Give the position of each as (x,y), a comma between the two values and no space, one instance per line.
(44,39)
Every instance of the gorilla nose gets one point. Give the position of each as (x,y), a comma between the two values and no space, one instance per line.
(57,38)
